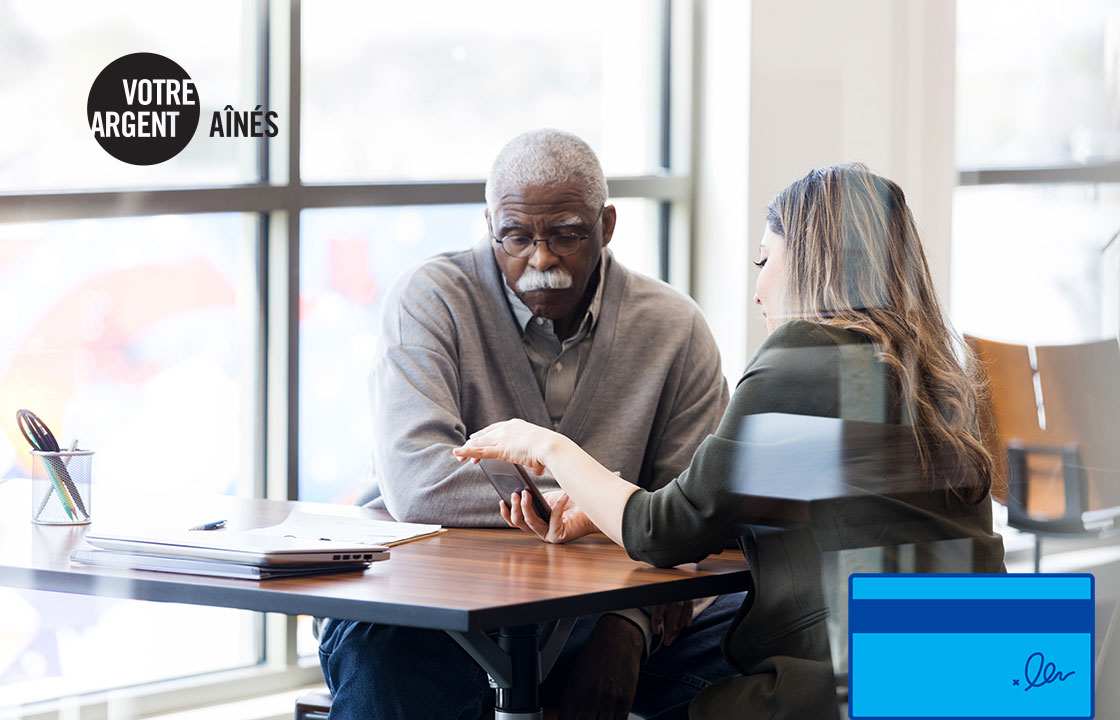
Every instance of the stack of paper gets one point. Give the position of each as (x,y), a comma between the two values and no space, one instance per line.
(307,525)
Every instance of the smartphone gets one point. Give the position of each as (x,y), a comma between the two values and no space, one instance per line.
(508,478)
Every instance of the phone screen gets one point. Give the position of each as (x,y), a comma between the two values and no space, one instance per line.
(508,478)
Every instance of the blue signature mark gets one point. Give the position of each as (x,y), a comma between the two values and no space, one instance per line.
(1044,673)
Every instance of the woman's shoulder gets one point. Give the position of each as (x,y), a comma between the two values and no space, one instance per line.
(797,351)
(805,333)
(797,370)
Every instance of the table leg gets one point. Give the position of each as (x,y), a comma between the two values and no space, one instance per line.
(516,663)
(520,701)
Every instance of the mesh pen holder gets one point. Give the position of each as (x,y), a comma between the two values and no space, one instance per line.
(60,487)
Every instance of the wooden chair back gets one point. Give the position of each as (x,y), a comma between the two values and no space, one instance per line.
(1009,412)
(1081,396)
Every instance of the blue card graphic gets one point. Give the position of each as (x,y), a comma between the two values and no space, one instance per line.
(970,646)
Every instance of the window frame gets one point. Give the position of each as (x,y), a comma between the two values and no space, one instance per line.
(1040,175)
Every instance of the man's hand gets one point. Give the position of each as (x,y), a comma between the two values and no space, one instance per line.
(605,674)
(668,620)
(567,523)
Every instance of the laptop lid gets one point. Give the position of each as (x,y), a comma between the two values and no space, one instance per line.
(240,547)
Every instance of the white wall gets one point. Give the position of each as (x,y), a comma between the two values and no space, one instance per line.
(720,254)
(787,85)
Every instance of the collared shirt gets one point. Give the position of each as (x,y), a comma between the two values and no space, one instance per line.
(557,365)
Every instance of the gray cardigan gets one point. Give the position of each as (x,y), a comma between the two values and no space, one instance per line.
(452,361)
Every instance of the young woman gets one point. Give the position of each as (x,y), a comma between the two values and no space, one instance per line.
(855,331)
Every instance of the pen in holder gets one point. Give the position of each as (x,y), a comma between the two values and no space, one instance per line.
(60,487)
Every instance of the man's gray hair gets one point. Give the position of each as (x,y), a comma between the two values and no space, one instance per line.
(546,157)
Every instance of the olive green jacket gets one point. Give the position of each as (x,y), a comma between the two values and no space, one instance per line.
(779,642)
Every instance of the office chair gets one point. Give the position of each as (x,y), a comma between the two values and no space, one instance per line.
(1062,471)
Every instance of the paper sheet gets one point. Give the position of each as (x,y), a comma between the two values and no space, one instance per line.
(343,528)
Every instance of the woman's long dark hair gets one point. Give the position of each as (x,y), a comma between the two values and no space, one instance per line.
(853,259)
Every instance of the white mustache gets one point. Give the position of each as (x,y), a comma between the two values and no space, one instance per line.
(554,279)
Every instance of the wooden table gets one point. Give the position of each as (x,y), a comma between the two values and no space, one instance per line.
(466,581)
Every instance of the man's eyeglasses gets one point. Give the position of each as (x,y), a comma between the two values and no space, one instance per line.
(562,244)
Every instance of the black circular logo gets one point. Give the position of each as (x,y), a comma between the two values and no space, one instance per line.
(143,109)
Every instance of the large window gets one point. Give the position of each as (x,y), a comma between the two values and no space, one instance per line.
(51,51)
(433,89)
(225,303)
(135,335)
(1038,147)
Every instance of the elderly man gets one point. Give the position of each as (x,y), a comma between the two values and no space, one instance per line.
(538,321)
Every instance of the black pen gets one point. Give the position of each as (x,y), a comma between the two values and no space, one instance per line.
(211,525)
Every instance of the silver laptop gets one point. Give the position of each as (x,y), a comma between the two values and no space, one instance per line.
(247,547)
